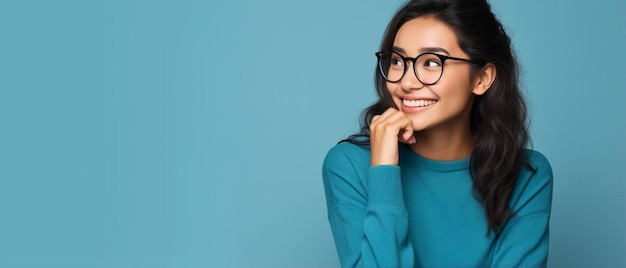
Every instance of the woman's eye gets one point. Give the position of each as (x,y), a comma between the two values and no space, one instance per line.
(432,63)
(397,62)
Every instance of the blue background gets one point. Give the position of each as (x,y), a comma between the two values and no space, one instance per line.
(191,133)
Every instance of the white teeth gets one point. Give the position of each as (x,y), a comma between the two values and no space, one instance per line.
(418,103)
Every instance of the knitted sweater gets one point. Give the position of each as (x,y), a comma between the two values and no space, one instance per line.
(422,213)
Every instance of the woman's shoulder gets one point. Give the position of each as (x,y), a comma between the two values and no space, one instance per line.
(348,151)
(346,166)
(536,174)
(533,191)
(537,162)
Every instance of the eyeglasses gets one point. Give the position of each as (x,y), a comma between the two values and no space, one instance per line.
(428,67)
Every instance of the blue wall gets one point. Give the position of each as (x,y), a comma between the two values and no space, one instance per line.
(191,133)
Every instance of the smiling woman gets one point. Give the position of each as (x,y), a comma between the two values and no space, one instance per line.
(439,174)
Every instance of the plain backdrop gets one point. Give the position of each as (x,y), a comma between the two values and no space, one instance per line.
(191,133)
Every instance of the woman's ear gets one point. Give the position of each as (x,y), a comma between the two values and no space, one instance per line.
(484,79)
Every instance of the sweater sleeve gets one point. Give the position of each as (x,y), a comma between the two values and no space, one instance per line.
(366,211)
(524,239)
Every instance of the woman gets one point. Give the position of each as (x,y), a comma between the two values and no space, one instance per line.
(439,175)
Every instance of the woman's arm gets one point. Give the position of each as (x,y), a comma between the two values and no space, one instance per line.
(366,210)
(523,241)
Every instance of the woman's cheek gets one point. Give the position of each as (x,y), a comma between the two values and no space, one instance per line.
(391,87)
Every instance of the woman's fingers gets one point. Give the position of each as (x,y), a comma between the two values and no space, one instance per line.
(386,130)
(386,114)
(406,136)
(393,121)
(406,130)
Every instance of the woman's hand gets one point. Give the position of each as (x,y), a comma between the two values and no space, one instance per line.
(386,130)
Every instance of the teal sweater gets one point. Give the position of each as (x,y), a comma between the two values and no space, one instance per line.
(422,213)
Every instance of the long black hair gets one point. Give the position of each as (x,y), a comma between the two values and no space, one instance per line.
(498,118)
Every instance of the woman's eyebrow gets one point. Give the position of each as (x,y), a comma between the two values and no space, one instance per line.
(422,50)
(398,49)
(433,50)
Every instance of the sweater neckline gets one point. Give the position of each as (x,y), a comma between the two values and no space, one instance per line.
(412,158)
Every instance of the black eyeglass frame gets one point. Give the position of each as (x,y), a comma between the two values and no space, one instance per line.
(443,59)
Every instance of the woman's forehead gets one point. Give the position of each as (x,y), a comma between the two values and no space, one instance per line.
(426,32)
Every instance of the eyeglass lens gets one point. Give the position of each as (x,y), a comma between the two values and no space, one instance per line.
(428,67)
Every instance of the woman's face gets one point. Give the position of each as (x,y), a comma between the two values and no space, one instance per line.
(448,102)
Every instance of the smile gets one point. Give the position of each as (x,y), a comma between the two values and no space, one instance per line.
(418,103)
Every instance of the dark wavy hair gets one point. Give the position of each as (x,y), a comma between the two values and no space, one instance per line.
(498,118)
